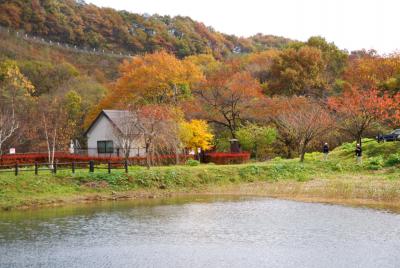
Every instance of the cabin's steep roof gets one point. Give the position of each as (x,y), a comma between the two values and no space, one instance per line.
(116,117)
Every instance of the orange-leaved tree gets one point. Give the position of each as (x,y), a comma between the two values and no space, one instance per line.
(228,96)
(155,78)
(371,71)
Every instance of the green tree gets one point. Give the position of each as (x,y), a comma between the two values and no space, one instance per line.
(298,72)
(335,59)
(256,139)
(74,110)
(48,77)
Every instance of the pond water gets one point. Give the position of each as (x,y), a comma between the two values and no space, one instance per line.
(201,232)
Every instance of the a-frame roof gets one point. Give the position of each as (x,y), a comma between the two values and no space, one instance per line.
(115,117)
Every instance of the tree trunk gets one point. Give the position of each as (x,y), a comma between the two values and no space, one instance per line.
(127,152)
(302,156)
(233,133)
(360,141)
(303,151)
(177,155)
(148,156)
(289,153)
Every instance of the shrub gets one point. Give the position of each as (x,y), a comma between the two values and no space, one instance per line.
(227,158)
(335,166)
(348,147)
(277,159)
(249,172)
(392,160)
(287,171)
(314,156)
(375,163)
(112,179)
(192,162)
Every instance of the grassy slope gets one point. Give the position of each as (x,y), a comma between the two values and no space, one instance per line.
(339,180)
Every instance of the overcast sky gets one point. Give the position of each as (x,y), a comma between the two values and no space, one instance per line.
(350,24)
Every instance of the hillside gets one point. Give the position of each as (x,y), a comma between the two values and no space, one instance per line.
(88,26)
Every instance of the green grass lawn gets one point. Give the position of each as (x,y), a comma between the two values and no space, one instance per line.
(378,177)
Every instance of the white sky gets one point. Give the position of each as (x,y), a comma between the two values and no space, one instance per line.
(350,24)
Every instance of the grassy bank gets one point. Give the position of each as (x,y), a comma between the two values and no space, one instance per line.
(338,180)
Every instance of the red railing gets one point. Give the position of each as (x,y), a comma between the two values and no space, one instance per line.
(32,158)
(227,158)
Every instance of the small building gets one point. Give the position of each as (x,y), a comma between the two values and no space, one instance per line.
(104,136)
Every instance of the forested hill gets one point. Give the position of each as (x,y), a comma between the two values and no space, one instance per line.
(85,25)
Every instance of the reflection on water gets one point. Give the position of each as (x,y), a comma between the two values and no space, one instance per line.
(200,232)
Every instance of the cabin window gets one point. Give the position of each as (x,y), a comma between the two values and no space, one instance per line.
(105,147)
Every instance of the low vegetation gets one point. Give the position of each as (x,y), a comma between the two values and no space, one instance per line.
(340,180)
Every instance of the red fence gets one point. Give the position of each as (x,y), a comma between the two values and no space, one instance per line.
(65,159)
(227,158)
(32,158)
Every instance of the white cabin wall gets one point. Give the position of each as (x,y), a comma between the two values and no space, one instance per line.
(103,130)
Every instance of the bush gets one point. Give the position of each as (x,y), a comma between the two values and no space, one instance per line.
(227,158)
(192,163)
(249,172)
(112,179)
(335,166)
(348,147)
(375,163)
(392,160)
(277,159)
(314,156)
(287,170)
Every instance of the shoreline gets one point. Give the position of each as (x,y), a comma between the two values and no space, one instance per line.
(288,191)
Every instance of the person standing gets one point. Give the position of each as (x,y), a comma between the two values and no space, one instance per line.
(359,154)
(325,150)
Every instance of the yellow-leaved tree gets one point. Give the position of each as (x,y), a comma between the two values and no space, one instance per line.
(196,134)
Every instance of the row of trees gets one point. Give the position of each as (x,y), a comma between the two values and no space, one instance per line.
(296,98)
(36,120)
(52,120)
(276,102)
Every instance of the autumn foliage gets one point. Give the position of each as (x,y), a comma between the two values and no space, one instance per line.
(154,78)
(228,96)
(195,134)
(358,110)
(187,86)
(301,121)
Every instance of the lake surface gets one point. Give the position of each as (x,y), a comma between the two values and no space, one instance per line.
(201,232)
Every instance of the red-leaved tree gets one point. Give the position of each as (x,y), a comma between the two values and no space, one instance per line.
(358,111)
